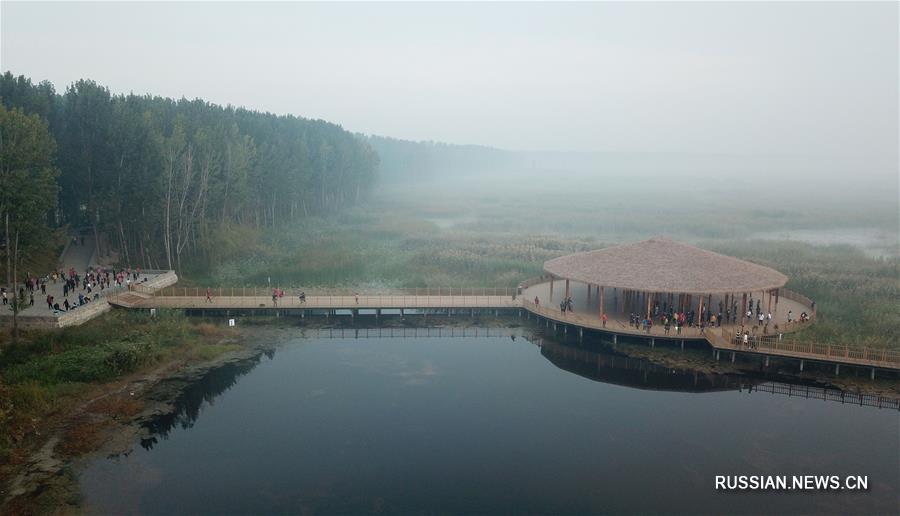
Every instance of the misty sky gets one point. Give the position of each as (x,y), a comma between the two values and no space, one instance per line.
(805,78)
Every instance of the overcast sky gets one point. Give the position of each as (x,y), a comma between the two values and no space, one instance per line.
(805,78)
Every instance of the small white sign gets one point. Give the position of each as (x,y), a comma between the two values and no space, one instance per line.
(153,312)
(230,322)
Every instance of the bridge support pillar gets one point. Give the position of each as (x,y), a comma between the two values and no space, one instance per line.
(302,314)
(717,355)
(801,366)
(733,356)
(615,339)
(580,333)
(767,360)
(496,313)
(837,369)
(873,373)
(682,345)
(377,313)
(652,343)
(565,329)
(473,313)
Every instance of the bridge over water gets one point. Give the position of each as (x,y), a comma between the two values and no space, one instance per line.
(495,301)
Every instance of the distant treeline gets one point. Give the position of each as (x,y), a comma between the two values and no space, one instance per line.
(403,160)
(158,176)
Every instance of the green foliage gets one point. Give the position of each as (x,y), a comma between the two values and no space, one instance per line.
(97,351)
(27,187)
(163,177)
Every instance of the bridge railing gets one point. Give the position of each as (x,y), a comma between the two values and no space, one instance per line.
(175,291)
(778,344)
(799,298)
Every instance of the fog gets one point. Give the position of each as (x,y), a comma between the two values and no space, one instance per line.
(758,98)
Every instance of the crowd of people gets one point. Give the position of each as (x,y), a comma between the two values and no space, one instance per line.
(83,288)
(675,321)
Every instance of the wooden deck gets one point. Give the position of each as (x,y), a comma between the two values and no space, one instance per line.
(772,345)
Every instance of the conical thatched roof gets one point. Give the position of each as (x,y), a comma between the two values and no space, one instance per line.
(663,265)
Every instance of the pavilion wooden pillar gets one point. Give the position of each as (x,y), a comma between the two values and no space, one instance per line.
(600,297)
(769,303)
(743,307)
(551,289)
(777,293)
(589,293)
(567,290)
(649,297)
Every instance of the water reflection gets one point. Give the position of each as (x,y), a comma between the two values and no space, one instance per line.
(594,361)
(601,364)
(490,424)
(638,373)
(192,398)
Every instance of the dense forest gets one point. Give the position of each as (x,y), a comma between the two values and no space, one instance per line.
(158,178)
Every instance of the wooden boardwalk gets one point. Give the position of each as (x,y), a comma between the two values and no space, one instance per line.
(459,300)
(333,302)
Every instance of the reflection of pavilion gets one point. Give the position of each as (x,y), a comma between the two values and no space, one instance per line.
(655,276)
(634,372)
(637,373)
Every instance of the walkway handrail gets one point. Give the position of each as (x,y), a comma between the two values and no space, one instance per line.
(530,282)
(800,298)
(779,343)
(175,291)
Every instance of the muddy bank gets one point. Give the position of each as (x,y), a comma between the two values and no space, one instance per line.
(114,418)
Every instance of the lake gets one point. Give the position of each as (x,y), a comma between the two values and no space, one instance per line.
(509,421)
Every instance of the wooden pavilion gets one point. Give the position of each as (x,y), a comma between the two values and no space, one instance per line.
(660,274)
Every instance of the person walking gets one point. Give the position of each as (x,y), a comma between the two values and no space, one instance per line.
(356,297)
(208,295)
(603,320)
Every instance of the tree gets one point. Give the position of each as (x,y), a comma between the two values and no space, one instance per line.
(28,191)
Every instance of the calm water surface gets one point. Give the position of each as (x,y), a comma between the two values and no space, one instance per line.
(489,425)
